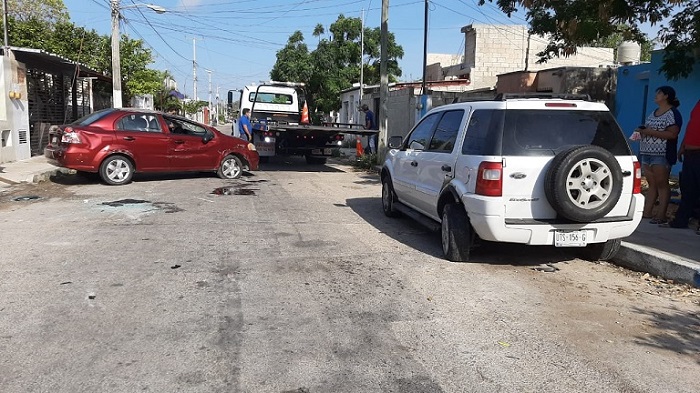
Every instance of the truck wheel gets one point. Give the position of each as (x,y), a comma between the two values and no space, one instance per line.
(601,251)
(230,168)
(311,160)
(456,233)
(116,170)
(388,198)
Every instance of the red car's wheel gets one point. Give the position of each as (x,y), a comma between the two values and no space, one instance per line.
(230,168)
(116,170)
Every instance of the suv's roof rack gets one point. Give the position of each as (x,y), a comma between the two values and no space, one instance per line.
(561,96)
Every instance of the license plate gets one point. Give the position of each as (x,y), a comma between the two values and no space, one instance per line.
(54,140)
(570,238)
(317,152)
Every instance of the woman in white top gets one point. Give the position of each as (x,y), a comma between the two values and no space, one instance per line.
(662,126)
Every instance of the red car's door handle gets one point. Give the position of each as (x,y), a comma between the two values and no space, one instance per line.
(129,138)
(179,142)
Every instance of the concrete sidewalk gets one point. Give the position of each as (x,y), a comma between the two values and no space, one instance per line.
(33,170)
(670,253)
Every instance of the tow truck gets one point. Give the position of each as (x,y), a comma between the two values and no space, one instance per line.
(279,126)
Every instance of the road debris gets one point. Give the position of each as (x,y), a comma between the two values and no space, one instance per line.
(25,198)
(175,267)
(547,268)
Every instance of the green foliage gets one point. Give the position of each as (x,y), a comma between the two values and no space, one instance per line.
(45,10)
(574,23)
(89,48)
(191,107)
(614,40)
(335,63)
(366,162)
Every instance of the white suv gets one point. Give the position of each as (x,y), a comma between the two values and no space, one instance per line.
(531,169)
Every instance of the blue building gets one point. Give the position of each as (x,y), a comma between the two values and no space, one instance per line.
(636,87)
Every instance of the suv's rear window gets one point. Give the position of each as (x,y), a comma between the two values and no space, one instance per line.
(93,117)
(537,132)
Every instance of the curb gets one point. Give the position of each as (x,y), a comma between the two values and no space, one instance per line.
(45,175)
(658,263)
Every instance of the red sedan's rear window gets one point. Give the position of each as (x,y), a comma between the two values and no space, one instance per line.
(93,117)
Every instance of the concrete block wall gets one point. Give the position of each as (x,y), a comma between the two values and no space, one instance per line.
(498,49)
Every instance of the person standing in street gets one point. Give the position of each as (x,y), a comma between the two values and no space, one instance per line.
(689,155)
(662,126)
(370,124)
(244,126)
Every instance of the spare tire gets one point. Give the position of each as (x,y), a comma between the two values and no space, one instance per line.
(583,183)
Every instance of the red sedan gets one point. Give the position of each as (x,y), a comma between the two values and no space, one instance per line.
(118,142)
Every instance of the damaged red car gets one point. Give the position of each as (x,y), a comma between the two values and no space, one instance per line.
(116,143)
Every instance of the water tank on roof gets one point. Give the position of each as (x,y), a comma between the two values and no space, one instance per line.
(629,52)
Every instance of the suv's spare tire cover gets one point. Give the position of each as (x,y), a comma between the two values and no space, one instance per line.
(583,183)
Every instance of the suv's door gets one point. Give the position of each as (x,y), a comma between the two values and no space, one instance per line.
(142,135)
(405,162)
(436,164)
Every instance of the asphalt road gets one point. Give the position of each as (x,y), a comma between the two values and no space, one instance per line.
(292,280)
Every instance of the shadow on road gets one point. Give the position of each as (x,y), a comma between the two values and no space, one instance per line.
(83,178)
(294,164)
(679,331)
(416,236)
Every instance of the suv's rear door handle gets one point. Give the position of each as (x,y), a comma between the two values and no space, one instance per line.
(414,163)
(446,168)
(179,142)
(129,138)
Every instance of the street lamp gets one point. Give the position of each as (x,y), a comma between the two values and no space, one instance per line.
(116,60)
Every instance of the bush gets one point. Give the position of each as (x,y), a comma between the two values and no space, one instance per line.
(366,162)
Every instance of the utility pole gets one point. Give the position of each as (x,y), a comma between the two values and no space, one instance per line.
(209,72)
(383,80)
(194,69)
(425,101)
(116,59)
(4,26)
(425,49)
(362,61)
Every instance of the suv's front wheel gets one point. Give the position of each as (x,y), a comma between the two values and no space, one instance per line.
(388,198)
(456,233)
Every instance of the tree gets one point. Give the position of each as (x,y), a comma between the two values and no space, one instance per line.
(573,23)
(46,10)
(87,47)
(614,40)
(193,106)
(319,30)
(335,63)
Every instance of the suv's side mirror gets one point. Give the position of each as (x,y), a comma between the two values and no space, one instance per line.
(395,142)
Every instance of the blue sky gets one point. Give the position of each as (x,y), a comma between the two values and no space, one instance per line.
(237,39)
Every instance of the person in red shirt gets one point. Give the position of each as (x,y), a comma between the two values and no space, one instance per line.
(689,154)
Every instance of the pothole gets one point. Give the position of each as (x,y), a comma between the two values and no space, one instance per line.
(25,198)
(234,190)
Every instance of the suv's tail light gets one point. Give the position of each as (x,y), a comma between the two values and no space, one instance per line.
(637,184)
(489,181)
(70,136)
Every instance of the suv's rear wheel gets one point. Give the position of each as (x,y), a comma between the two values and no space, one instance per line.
(584,183)
(601,251)
(456,233)
(388,198)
